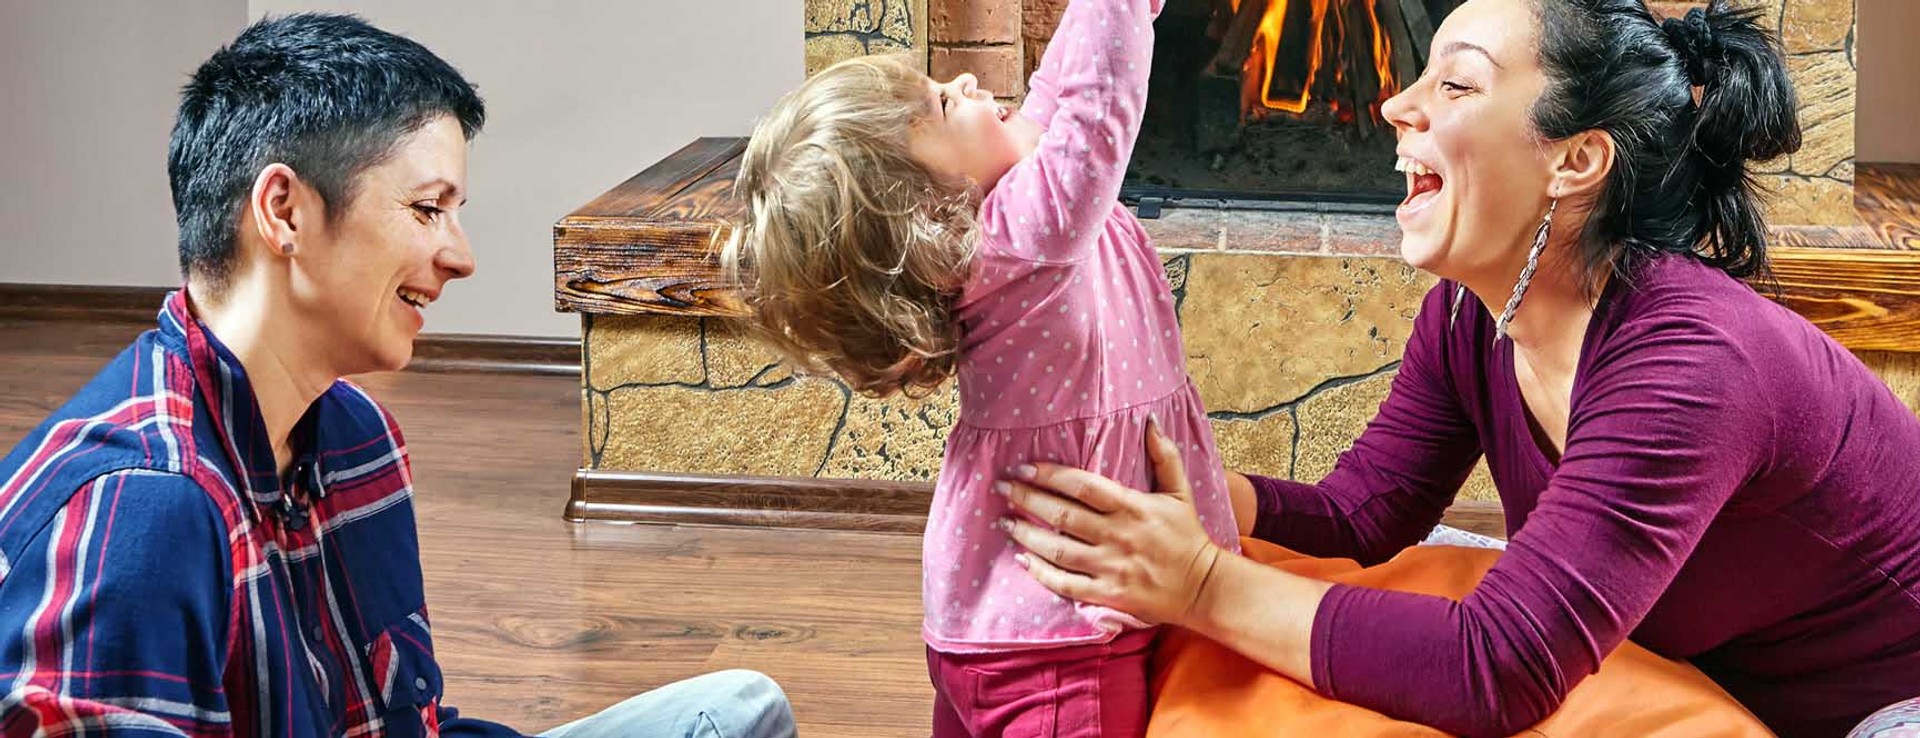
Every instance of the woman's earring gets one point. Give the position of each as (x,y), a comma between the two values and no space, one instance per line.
(1526,274)
(287,248)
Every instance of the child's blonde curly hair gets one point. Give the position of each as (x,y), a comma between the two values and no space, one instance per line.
(851,254)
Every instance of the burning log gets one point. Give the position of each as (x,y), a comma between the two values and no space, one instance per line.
(1310,62)
(1236,46)
(1409,46)
(1366,66)
(1220,88)
(1219,14)
(1419,24)
(1250,93)
(1318,62)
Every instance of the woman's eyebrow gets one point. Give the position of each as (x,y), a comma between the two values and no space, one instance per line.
(1455,47)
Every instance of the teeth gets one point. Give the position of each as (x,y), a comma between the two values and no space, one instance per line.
(1404,164)
(414,298)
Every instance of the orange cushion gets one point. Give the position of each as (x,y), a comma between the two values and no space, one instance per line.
(1203,689)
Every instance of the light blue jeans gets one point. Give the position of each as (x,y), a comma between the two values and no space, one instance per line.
(726,704)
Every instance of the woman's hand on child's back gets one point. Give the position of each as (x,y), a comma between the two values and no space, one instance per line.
(1140,553)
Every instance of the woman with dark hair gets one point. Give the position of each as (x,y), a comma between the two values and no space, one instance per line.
(215,537)
(1682,461)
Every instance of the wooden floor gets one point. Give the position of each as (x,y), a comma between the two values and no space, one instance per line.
(538,621)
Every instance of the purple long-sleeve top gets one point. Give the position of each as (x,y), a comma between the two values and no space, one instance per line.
(1736,490)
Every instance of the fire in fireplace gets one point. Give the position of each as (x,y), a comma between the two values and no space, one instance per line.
(1278,99)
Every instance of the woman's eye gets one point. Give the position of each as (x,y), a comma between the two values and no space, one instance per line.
(1454,87)
(430,212)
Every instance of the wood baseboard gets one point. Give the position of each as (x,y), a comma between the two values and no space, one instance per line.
(807,502)
(99,303)
(432,352)
(470,352)
(760,502)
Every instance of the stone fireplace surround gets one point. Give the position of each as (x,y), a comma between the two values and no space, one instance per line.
(1294,316)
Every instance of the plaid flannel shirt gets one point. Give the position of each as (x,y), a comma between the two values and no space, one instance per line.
(157,577)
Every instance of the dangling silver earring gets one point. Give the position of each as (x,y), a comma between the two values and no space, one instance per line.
(1526,274)
(1453,314)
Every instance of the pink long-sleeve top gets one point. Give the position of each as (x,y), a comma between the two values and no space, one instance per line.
(1736,490)
(1069,344)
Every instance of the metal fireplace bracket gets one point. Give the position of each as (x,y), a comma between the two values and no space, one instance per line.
(1149,202)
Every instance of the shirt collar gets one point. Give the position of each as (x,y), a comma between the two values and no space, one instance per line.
(223,386)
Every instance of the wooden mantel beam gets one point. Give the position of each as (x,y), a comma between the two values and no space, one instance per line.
(652,244)
(1868,300)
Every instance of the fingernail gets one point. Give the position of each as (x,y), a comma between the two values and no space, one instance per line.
(1005,524)
(1021,559)
(1025,471)
(1002,489)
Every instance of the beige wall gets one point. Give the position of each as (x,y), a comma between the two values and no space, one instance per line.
(1889,62)
(580,96)
(87,94)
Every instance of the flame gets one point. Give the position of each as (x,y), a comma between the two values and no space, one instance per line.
(1257,91)
(1266,45)
(1382,53)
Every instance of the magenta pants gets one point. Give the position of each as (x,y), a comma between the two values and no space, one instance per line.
(1085,691)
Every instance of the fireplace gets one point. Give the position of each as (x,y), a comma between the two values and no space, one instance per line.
(1278,99)
(1810,195)
(1294,315)
(1250,100)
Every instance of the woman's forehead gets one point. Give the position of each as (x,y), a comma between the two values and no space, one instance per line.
(1499,32)
(436,153)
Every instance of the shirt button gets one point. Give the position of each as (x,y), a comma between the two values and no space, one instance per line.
(319,634)
(420,683)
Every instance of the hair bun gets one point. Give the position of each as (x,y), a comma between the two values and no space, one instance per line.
(1692,36)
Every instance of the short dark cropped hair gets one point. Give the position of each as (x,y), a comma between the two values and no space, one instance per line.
(327,95)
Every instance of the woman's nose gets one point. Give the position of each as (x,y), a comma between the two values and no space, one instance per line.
(967,83)
(456,259)
(1402,111)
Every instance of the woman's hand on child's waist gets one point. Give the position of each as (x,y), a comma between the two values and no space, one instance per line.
(1106,544)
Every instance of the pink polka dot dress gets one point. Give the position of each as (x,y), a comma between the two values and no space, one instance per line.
(1070,344)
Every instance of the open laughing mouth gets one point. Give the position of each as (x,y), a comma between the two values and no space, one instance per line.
(1423,184)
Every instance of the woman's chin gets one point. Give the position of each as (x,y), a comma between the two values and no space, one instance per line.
(1420,252)
(390,353)
(397,358)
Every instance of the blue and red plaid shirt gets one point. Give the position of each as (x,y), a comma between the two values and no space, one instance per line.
(158,576)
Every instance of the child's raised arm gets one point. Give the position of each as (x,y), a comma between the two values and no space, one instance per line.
(1089,92)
